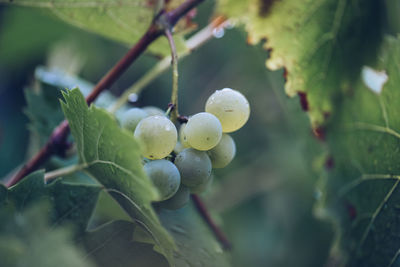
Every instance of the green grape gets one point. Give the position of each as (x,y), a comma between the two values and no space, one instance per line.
(177,201)
(131,118)
(182,136)
(152,111)
(203,131)
(230,107)
(201,188)
(194,166)
(165,177)
(223,153)
(157,136)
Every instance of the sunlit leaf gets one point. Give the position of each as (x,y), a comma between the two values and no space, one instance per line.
(124,21)
(321,44)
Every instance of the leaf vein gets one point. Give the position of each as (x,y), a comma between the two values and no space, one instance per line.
(128,172)
(140,210)
(98,142)
(376,128)
(376,214)
(364,178)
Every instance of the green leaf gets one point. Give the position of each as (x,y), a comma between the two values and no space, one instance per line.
(107,209)
(322,44)
(71,202)
(363,186)
(112,156)
(78,177)
(112,245)
(124,21)
(43,111)
(58,79)
(197,246)
(27,239)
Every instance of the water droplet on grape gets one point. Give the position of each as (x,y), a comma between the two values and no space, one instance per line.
(133,97)
(218,32)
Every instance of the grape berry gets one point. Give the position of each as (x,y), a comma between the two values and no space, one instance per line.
(230,107)
(164,175)
(203,131)
(178,168)
(194,167)
(157,136)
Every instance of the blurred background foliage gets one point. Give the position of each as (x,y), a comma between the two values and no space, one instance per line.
(264,199)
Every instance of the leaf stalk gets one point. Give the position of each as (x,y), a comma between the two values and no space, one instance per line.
(49,176)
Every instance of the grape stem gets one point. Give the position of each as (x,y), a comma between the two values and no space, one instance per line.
(202,209)
(175,76)
(192,44)
(57,140)
(170,108)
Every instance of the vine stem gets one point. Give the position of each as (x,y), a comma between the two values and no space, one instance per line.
(202,209)
(192,44)
(175,75)
(57,141)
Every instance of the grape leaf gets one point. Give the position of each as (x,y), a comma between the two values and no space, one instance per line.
(124,21)
(363,186)
(322,44)
(112,156)
(71,202)
(196,244)
(43,109)
(43,112)
(59,79)
(112,244)
(27,239)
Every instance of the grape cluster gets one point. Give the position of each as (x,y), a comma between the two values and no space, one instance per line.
(179,168)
